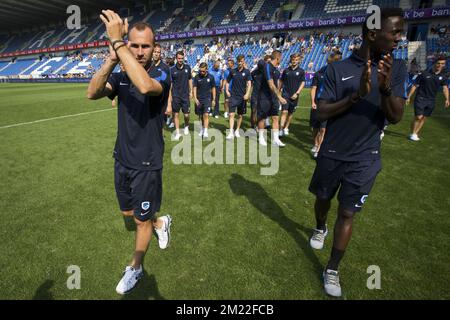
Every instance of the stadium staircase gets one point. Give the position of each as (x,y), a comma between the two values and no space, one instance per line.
(298,11)
(405,4)
(417,49)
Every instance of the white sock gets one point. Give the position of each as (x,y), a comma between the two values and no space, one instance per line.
(205,130)
(261,134)
(178,131)
(275,136)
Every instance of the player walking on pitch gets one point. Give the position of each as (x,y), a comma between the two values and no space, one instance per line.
(142,90)
(428,83)
(356,97)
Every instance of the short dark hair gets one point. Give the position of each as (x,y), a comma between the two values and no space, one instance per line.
(385,14)
(203,65)
(240,57)
(180,53)
(295,55)
(157,45)
(141,26)
(439,58)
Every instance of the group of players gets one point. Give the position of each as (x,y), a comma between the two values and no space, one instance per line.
(356,97)
(266,89)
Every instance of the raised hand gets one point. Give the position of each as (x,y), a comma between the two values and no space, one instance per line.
(384,69)
(116,28)
(365,84)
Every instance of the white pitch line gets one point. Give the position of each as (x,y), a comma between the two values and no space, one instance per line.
(55,118)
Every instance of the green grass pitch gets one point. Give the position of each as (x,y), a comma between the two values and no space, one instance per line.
(236,234)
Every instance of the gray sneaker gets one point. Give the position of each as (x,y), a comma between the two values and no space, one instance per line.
(318,238)
(331,283)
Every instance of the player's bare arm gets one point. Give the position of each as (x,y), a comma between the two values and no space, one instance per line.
(213,92)
(445,91)
(297,93)
(313,95)
(391,105)
(411,93)
(247,92)
(274,89)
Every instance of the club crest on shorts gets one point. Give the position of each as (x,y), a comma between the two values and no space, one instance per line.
(145,205)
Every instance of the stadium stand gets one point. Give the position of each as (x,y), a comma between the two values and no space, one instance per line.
(314,45)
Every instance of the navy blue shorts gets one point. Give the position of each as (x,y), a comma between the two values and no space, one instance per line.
(238,105)
(204,107)
(254,102)
(180,104)
(353,179)
(314,122)
(140,191)
(423,107)
(266,109)
(290,106)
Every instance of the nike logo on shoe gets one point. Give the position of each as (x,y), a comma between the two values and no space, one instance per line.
(345,79)
(124,84)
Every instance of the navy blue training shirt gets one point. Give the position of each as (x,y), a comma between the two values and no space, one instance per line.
(239,79)
(204,86)
(257,79)
(355,134)
(180,81)
(292,78)
(428,84)
(139,143)
(269,72)
(318,80)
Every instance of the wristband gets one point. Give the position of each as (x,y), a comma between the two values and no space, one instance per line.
(120,46)
(113,43)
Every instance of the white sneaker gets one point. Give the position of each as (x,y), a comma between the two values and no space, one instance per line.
(168,121)
(331,283)
(164,233)
(230,136)
(382,135)
(205,134)
(315,155)
(286,132)
(414,137)
(280,133)
(210,114)
(129,279)
(216,116)
(171,125)
(186,131)
(278,143)
(318,238)
(201,132)
(177,137)
(225,115)
(237,134)
(313,151)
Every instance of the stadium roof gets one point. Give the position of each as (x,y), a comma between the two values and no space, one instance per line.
(22,14)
